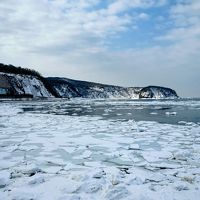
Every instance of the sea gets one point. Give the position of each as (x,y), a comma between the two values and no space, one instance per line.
(100,149)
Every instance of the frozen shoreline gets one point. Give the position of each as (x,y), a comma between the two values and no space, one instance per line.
(49,156)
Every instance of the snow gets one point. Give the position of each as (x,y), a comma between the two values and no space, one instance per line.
(73,88)
(50,156)
(27,84)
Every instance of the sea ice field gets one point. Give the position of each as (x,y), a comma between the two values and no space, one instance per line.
(84,149)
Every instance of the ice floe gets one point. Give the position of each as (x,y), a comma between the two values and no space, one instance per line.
(44,155)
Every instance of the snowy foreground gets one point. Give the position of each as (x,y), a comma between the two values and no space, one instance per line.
(52,156)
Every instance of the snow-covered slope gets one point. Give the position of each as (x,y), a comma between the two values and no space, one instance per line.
(29,85)
(69,88)
(157,92)
(19,84)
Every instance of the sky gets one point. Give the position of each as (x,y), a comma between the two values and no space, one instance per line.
(120,42)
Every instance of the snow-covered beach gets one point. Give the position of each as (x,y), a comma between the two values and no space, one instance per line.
(84,149)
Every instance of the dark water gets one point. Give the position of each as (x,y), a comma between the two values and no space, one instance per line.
(163,111)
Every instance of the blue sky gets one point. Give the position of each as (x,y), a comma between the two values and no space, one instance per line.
(122,42)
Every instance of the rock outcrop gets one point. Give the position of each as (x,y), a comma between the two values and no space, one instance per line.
(69,88)
(19,85)
(157,92)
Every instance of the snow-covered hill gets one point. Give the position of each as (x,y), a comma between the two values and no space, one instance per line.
(69,88)
(22,85)
(157,92)
(24,82)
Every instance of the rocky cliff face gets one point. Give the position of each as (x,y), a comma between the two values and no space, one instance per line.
(22,85)
(69,88)
(24,82)
(157,92)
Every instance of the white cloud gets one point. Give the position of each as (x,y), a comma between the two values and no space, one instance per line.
(186,18)
(33,24)
(143,16)
(120,6)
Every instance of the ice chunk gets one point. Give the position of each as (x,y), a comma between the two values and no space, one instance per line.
(4,178)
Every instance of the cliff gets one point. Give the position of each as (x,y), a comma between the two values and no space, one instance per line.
(19,85)
(22,82)
(69,88)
